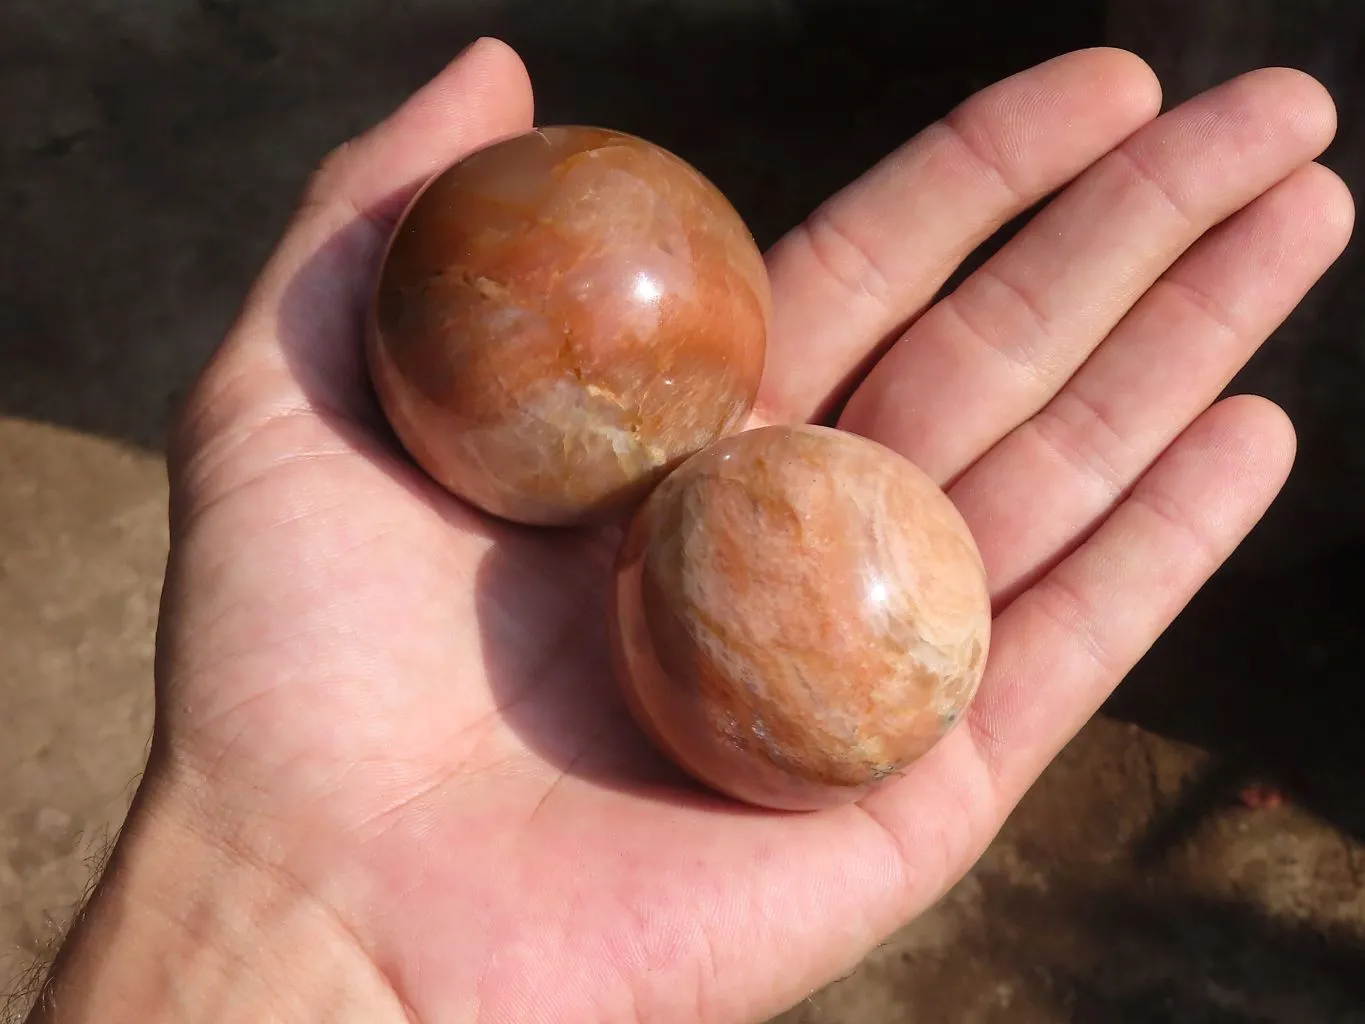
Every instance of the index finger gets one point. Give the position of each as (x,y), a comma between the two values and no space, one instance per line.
(873,256)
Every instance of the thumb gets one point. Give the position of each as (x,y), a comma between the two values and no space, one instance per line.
(297,345)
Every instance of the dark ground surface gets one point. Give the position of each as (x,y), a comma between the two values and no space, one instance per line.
(149,156)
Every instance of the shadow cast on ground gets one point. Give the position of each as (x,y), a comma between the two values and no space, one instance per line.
(1171,955)
(1266,671)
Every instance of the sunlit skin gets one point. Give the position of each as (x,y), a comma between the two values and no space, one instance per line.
(391,779)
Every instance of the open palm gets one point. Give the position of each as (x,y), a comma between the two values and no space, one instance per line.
(406,709)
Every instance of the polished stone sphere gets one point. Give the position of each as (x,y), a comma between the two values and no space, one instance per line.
(798,614)
(563,316)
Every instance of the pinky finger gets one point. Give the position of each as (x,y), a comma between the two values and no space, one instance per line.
(1063,645)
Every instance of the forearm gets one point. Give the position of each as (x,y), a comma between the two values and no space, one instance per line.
(180,930)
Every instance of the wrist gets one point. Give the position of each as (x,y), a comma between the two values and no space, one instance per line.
(182,928)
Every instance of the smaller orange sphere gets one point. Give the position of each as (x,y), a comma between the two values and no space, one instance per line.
(799,613)
(563,316)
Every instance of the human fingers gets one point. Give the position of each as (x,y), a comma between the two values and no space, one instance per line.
(997,349)
(872,257)
(1039,491)
(1061,647)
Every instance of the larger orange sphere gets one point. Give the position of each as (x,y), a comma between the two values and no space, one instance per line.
(799,614)
(561,317)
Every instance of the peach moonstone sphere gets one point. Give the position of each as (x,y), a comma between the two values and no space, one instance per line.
(561,317)
(799,613)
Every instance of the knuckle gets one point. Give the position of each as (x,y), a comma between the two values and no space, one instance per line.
(331,169)
(845,259)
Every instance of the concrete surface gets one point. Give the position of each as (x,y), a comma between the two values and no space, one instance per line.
(150,153)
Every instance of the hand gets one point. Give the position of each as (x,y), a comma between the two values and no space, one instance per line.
(391,778)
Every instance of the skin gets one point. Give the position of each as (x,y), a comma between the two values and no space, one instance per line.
(389,779)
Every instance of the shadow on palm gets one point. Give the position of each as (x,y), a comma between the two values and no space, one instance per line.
(540,594)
